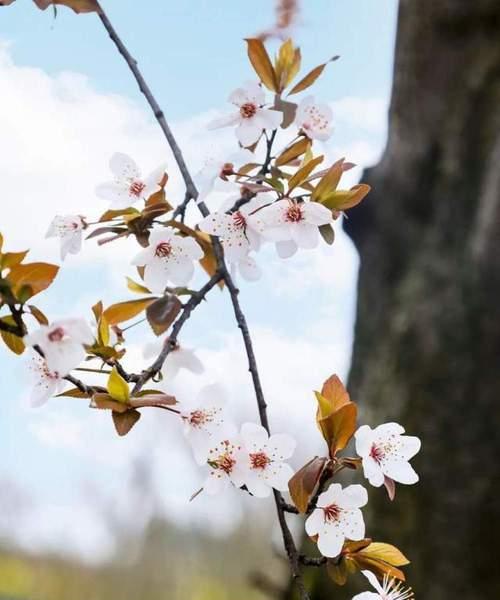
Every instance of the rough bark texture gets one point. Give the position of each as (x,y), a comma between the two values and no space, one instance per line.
(427,344)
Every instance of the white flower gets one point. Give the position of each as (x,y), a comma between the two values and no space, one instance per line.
(205,422)
(215,173)
(247,267)
(168,259)
(386,452)
(226,462)
(128,186)
(179,358)
(391,589)
(314,119)
(238,232)
(68,229)
(293,224)
(46,383)
(337,517)
(265,454)
(250,117)
(62,343)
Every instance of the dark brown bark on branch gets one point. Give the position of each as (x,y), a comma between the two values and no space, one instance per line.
(427,343)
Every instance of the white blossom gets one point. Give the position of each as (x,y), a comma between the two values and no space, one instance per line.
(168,259)
(251,118)
(128,185)
(206,422)
(314,119)
(68,229)
(46,383)
(226,461)
(238,231)
(215,173)
(385,453)
(391,589)
(247,267)
(292,225)
(178,358)
(62,343)
(265,455)
(337,517)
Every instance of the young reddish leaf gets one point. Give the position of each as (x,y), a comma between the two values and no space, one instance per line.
(289,110)
(97,309)
(125,421)
(153,399)
(343,426)
(118,387)
(304,484)
(35,276)
(102,230)
(310,78)
(329,182)
(104,401)
(337,571)
(158,201)
(303,173)
(13,342)
(344,199)
(293,151)
(123,311)
(386,552)
(72,393)
(79,6)
(163,312)
(112,214)
(378,567)
(335,393)
(390,487)
(11,259)
(38,314)
(261,62)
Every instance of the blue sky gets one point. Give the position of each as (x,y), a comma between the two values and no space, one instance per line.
(69,102)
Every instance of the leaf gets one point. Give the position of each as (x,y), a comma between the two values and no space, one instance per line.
(163,312)
(97,309)
(133,286)
(13,342)
(311,77)
(303,173)
(72,393)
(304,484)
(289,110)
(79,6)
(390,487)
(158,201)
(337,571)
(102,230)
(344,199)
(293,152)
(335,393)
(386,552)
(209,261)
(104,401)
(378,567)
(261,63)
(123,311)
(38,314)
(112,214)
(327,233)
(125,421)
(35,276)
(329,182)
(11,259)
(287,64)
(118,387)
(103,331)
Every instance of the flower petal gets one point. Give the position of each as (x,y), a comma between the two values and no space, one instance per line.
(124,167)
(286,249)
(316,213)
(225,121)
(248,132)
(305,235)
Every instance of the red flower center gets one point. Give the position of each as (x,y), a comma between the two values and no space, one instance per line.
(56,335)
(225,463)
(239,220)
(294,213)
(163,249)
(136,188)
(331,513)
(377,453)
(248,110)
(259,460)
(198,417)
(227,169)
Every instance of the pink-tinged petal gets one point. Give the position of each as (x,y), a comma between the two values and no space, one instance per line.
(286,249)
(364,440)
(71,244)
(63,356)
(315,522)
(401,471)
(249,269)
(372,471)
(283,445)
(331,495)
(216,224)
(251,92)
(278,475)
(269,119)
(373,581)
(248,132)
(302,109)
(316,213)
(225,121)
(305,235)
(330,542)
(353,496)
(124,167)
(353,525)
(254,436)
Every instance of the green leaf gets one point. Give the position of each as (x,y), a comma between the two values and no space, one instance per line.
(118,387)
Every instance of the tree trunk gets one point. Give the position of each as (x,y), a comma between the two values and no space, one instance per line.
(427,343)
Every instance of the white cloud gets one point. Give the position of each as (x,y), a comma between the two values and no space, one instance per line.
(58,133)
